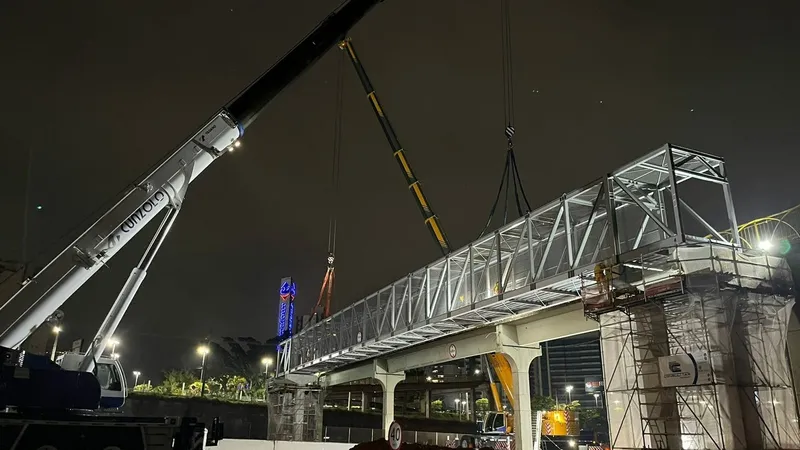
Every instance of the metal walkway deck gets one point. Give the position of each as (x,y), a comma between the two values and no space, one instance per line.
(536,262)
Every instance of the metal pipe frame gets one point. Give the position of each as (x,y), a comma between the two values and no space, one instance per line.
(535,262)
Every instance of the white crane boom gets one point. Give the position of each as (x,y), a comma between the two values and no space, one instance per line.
(162,188)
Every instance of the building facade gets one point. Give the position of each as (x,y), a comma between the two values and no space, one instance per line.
(570,369)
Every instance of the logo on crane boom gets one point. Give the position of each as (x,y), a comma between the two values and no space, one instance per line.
(130,223)
(147,207)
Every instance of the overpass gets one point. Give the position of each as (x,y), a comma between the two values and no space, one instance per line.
(523,284)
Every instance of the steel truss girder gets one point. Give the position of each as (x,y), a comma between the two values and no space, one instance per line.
(532,263)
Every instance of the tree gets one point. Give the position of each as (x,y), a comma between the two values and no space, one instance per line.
(542,403)
(176,382)
(232,385)
(194,388)
(590,418)
(144,387)
(571,406)
(587,416)
(437,405)
(482,405)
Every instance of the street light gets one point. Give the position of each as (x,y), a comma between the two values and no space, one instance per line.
(477,371)
(203,350)
(569,392)
(113,342)
(136,374)
(57,331)
(266,361)
(596,396)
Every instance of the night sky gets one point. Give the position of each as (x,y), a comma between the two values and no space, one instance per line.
(98,92)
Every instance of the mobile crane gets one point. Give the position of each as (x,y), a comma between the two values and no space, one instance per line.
(46,395)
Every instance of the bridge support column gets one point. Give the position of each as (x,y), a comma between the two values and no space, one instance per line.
(388,382)
(473,405)
(294,406)
(520,358)
(366,401)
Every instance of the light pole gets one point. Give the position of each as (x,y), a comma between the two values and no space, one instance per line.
(136,374)
(596,403)
(458,410)
(203,350)
(113,342)
(57,331)
(569,393)
(266,361)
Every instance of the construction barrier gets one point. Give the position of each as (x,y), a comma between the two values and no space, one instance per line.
(254,444)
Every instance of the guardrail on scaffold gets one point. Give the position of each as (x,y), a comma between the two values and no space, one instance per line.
(535,262)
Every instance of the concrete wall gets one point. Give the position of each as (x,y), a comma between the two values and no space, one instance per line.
(246,444)
(353,419)
(242,421)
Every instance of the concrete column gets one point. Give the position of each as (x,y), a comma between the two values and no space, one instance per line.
(426,403)
(473,405)
(520,358)
(302,406)
(388,382)
(366,401)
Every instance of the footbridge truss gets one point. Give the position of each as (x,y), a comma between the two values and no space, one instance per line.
(538,261)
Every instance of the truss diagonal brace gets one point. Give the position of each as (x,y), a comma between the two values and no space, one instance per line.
(644,208)
(702,221)
(590,223)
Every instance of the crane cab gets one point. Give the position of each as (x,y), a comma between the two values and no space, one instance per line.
(109,374)
(495,423)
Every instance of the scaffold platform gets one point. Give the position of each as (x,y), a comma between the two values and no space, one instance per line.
(694,349)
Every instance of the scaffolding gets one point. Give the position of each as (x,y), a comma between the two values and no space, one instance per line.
(693,342)
(294,411)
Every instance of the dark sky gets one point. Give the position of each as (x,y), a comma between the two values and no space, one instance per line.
(98,92)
